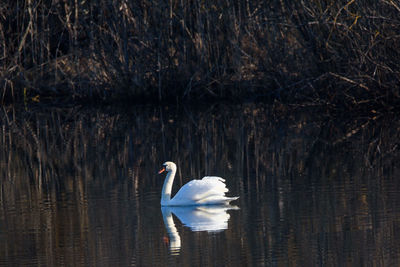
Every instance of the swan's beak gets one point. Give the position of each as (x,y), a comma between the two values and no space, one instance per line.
(162,170)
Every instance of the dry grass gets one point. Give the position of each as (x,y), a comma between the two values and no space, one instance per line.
(324,52)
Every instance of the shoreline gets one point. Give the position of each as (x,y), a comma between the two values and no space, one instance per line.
(341,53)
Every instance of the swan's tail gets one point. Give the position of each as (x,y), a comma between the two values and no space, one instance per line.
(229,199)
(216,200)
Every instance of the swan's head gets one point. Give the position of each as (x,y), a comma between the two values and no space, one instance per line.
(168,166)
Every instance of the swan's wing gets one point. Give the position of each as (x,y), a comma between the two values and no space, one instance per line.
(209,190)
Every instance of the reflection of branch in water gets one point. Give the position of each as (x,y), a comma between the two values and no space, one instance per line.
(197,218)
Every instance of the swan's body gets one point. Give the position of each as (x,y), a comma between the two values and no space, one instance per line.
(208,191)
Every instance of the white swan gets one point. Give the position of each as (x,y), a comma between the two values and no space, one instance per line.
(208,191)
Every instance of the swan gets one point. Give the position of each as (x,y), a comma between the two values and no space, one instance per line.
(208,191)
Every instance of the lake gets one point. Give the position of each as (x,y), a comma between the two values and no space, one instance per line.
(79,186)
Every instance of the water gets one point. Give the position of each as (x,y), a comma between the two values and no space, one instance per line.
(79,187)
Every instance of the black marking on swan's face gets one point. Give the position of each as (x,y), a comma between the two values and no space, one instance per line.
(167,166)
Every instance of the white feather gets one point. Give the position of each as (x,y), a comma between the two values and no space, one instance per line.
(208,191)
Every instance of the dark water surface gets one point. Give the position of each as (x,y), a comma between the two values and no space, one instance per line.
(79,187)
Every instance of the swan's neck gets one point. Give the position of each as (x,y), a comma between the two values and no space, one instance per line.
(167,188)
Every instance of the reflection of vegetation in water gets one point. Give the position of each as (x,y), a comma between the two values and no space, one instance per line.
(56,165)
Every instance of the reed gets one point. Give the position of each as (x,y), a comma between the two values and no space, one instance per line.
(325,52)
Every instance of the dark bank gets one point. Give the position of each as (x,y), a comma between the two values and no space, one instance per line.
(343,53)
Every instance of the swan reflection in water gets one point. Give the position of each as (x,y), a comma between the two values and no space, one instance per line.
(212,218)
